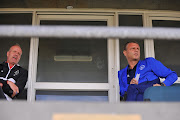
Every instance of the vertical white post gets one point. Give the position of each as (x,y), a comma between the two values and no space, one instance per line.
(148,43)
(33,54)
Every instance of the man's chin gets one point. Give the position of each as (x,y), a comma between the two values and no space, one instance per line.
(14,63)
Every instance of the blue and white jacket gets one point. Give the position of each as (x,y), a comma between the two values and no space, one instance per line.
(147,70)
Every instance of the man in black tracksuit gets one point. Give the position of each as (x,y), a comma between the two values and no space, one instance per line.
(13,78)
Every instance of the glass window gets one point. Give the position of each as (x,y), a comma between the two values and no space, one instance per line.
(72,60)
(130,20)
(72,96)
(167,51)
(133,21)
(16,19)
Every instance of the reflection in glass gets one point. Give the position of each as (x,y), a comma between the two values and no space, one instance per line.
(167,51)
(72,60)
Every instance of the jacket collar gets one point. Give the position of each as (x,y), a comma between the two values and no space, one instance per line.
(5,63)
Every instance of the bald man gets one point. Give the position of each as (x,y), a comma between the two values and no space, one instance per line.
(13,77)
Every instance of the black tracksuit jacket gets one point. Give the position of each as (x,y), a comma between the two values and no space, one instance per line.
(17,74)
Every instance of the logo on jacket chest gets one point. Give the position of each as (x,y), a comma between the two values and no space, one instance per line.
(142,67)
(16,72)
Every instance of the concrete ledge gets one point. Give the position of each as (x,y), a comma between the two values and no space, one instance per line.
(22,110)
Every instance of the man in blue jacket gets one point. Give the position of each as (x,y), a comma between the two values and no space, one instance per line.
(141,74)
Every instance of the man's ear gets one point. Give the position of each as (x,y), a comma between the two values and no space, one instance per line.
(124,52)
(7,53)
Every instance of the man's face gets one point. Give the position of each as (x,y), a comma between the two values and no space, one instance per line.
(14,55)
(132,52)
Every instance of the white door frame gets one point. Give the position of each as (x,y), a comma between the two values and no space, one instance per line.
(33,85)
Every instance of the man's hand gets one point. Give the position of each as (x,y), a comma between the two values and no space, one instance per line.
(156,84)
(159,84)
(13,87)
(134,81)
(1,84)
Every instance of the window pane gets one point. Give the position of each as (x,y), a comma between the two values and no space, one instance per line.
(16,19)
(93,69)
(73,23)
(167,51)
(129,20)
(72,96)
(72,60)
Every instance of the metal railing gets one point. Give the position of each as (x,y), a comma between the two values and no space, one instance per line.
(90,32)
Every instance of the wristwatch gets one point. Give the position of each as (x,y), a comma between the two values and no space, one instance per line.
(162,84)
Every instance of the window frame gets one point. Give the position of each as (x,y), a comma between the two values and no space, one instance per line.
(33,85)
(170,17)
